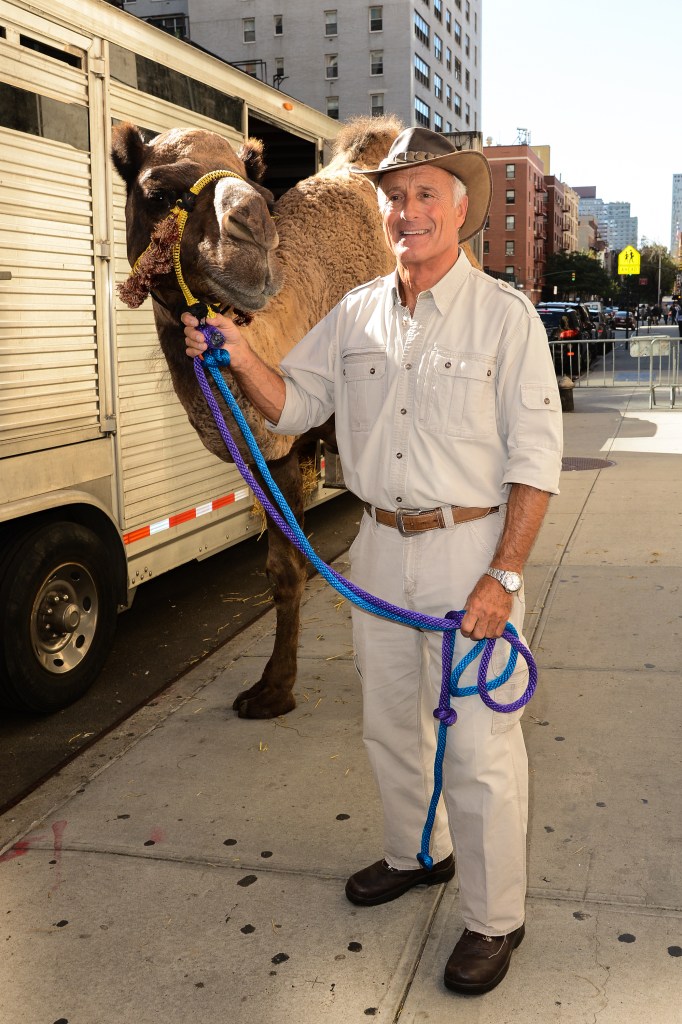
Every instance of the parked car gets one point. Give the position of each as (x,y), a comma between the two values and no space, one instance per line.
(623,318)
(586,327)
(564,334)
(603,326)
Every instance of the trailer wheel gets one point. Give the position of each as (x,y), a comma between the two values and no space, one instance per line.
(57,617)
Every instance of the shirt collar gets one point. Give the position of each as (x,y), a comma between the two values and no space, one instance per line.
(444,291)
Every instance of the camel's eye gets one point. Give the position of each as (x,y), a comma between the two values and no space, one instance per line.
(159,197)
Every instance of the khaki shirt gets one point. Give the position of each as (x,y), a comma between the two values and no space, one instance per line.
(448,407)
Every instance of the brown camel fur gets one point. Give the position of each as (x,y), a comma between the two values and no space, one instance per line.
(326,238)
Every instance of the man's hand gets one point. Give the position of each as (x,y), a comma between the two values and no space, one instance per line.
(487,608)
(196,346)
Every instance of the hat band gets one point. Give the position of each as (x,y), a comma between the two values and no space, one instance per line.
(415,156)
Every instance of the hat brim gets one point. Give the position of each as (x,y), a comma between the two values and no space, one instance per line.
(470,166)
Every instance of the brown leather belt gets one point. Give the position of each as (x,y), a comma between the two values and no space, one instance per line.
(408,521)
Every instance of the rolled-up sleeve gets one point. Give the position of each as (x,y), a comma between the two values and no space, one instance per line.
(529,406)
(308,373)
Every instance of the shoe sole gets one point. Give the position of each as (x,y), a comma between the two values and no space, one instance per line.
(434,879)
(479,990)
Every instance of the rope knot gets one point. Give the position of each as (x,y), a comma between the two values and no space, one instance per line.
(448,716)
(425,860)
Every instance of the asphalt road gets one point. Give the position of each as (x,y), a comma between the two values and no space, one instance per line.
(175,621)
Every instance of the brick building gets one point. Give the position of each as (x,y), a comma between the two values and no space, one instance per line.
(516,231)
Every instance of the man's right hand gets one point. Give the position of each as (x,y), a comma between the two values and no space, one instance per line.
(194,339)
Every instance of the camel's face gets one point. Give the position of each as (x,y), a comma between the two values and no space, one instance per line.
(227,253)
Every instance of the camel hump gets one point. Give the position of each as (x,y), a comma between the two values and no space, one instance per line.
(364,141)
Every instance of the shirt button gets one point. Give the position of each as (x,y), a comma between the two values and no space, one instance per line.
(372,370)
(403,411)
(408,366)
(448,365)
(490,373)
(398,500)
(399,455)
(547,401)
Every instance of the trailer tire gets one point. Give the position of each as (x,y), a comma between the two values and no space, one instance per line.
(57,616)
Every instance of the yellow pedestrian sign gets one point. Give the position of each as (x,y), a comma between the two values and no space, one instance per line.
(628,260)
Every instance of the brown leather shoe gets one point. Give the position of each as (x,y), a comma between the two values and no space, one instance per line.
(380,883)
(480,962)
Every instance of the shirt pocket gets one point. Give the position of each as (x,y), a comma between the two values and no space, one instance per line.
(537,401)
(459,399)
(364,376)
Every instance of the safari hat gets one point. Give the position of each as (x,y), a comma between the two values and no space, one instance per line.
(417,146)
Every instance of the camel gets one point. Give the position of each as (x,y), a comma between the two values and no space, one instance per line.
(281,276)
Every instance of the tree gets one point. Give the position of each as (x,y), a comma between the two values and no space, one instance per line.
(649,271)
(576,274)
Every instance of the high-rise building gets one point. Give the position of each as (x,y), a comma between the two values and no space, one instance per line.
(515,234)
(419,59)
(676,218)
(616,225)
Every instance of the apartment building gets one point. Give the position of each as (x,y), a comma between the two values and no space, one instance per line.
(515,234)
(676,218)
(419,59)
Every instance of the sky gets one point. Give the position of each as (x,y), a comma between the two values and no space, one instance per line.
(600,82)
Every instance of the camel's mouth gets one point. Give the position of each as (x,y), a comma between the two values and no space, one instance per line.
(231,293)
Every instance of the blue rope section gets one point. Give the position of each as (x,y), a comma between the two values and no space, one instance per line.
(214,358)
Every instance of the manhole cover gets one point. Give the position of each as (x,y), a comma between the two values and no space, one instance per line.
(571,463)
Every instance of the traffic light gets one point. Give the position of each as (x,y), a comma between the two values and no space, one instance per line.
(573,275)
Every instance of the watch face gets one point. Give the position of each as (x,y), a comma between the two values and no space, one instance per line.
(512,582)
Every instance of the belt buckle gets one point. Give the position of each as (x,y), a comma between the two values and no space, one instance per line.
(400,515)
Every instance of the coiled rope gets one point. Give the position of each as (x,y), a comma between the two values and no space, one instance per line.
(281,514)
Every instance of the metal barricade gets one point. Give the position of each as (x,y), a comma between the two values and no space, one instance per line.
(640,362)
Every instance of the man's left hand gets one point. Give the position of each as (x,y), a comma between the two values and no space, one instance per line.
(487,608)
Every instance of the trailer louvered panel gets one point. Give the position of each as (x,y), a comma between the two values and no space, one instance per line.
(47,319)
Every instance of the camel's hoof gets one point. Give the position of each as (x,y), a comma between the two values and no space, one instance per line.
(264,706)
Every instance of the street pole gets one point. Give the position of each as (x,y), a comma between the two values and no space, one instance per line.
(658,301)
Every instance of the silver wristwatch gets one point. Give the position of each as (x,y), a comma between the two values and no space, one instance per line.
(511,581)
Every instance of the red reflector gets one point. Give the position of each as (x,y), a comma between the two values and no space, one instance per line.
(568,334)
(570,353)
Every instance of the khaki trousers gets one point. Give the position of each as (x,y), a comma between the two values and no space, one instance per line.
(484,810)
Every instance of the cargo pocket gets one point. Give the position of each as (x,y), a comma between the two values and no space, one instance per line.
(459,399)
(364,374)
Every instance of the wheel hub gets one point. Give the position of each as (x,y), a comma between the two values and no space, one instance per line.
(64,618)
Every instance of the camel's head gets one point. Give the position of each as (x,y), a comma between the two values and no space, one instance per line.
(229,238)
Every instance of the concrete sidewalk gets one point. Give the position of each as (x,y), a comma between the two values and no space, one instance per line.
(189,869)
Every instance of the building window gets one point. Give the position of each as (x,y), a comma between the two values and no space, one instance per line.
(376,62)
(458,33)
(279,24)
(438,48)
(448,126)
(422,113)
(421,29)
(510,222)
(279,75)
(467,45)
(467,80)
(437,122)
(467,10)
(376,104)
(422,71)
(438,9)
(376,19)
(175,25)
(509,271)
(509,248)
(448,21)
(438,87)
(331,23)
(475,88)
(475,21)
(331,65)
(448,58)
(486,247)
(333,107)
(458,105)
(510,170)
(475,56)
(467,113)
(458,70)
(510,195)
(448,95)
(249,30)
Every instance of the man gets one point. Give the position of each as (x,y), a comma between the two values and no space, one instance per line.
(449,429)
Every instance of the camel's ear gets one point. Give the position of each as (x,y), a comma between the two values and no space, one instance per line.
(251,152)
(128,150)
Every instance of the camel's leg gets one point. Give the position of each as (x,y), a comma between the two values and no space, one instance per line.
(286,569)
